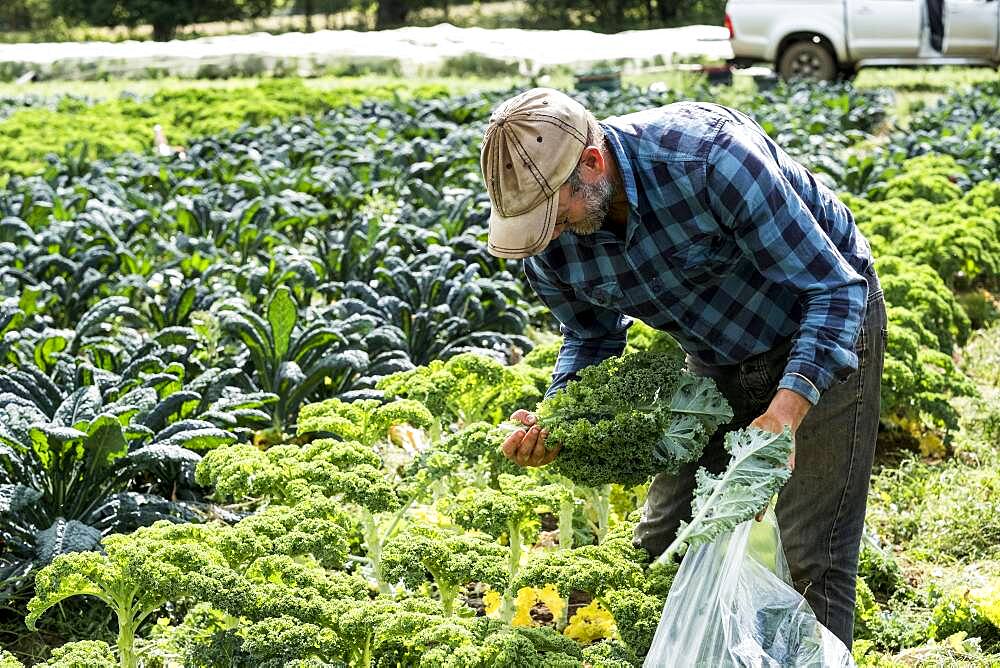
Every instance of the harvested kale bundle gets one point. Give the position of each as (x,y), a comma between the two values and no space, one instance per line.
(631,417)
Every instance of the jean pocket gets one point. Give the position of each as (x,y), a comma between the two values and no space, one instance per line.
(759,375)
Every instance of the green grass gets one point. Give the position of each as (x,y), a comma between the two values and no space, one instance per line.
(503,14)
(942,520)
(941,513)
(924,79)
(948,512)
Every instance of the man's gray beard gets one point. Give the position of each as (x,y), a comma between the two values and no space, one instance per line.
(597,202)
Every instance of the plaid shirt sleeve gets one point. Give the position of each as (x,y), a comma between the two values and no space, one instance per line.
(591,334)
(751,196)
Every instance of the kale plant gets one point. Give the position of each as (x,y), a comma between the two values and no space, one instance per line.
(631,417)
(757,470)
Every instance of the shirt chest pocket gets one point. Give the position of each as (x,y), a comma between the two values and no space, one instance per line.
(706,258)
(603,293)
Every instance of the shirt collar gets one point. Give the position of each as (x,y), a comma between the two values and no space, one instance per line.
(604,236)
(628,177)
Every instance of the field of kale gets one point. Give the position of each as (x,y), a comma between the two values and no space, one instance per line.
(248,395)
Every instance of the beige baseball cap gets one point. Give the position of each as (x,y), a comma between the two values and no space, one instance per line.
(531,147)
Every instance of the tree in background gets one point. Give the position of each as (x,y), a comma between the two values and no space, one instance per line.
(394,13)
(49,18)
(388,13)
(24,14)
(616,15)
(164,15)
(309,8)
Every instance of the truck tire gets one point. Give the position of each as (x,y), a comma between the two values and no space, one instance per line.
(807,60)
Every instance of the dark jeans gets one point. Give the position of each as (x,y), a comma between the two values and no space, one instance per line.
(821,511)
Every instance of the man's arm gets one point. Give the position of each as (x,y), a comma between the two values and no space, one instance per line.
(577,353)
(591,334)
(751,197)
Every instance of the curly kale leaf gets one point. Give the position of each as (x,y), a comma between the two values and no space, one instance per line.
(291,473)
(367,421)
(528,647)
(8,660)
(476,443)
(82,654)
(468,388)
(659,579)
(610,654)
(631,417)
(636,616)
(289,572)
(431,385)
(757,470)
(277,640)
(452,559)
(508,509)
(697,409)
(254,569)
(594,569)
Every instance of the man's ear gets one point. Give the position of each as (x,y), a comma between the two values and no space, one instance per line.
(593,164)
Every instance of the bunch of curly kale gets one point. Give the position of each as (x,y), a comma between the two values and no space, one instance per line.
(631,417)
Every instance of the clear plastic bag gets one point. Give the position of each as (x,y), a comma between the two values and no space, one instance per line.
(732,605)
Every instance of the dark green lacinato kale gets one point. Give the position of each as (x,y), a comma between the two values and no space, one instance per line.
(631,417)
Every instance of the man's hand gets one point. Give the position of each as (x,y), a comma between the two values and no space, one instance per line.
(526,447)
(786,409)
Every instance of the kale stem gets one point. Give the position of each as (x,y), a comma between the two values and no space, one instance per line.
(374,543)
(126,635)
(566,509)
(603,512)
(366,655)
(514,538)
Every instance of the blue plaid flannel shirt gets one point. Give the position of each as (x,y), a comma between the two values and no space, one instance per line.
(731,246)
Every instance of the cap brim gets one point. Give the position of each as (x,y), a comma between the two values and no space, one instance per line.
(524,235)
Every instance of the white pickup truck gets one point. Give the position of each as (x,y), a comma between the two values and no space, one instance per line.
(826,39)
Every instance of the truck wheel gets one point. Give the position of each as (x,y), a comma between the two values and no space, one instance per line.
(807,60)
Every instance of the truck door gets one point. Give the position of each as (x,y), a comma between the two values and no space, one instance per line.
(884,28)
(970,27)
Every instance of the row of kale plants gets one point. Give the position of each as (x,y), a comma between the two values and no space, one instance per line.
(159,309)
